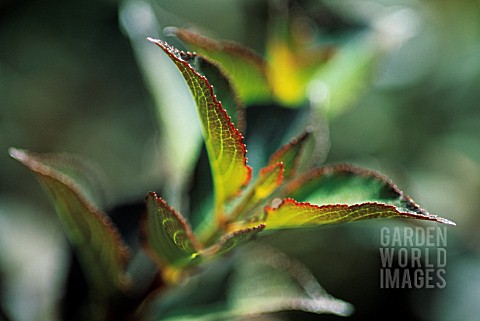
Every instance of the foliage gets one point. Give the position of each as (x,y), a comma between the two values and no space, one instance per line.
(289,192)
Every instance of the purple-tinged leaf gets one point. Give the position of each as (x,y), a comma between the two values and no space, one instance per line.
(101,252)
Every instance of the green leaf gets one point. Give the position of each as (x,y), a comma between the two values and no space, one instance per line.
(246,69)
(342,183)
(230,241)
(347,184)
(101,251)
(263,281)
(290,214)
(224,143)
(167,236)
(267,281)
(291,154)
(359,192)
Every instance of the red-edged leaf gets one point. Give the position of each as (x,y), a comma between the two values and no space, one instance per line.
(101,252)
(268,180)
(167,236)
(230,241)
(291,153)
(290,214)
(224,143)
(346,184)
(245,68)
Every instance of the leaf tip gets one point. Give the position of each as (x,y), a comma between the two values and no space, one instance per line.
(170,31)
(445,221)
(24,157)
(151,195)
(153,40)
(18,154)
(412,206)
(157,200)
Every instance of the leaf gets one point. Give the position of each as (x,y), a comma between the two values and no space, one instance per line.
(267,281)
(347,184)
(290,72)
(167,236)
(245,68)
(230,241)
(291,153)
(263,281)
(102,253)
(342,183)
(361,194)
(290,214)
(224,143)
(268,180)
(293,55)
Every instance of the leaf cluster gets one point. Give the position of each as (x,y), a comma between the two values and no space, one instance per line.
(286,193)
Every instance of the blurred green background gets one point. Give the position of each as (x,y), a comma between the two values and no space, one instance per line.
(78,77)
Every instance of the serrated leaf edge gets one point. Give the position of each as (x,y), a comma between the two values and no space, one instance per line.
(359,171)
(230,47)
(272,167)
(239,104)
(429,217)
(178,55)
